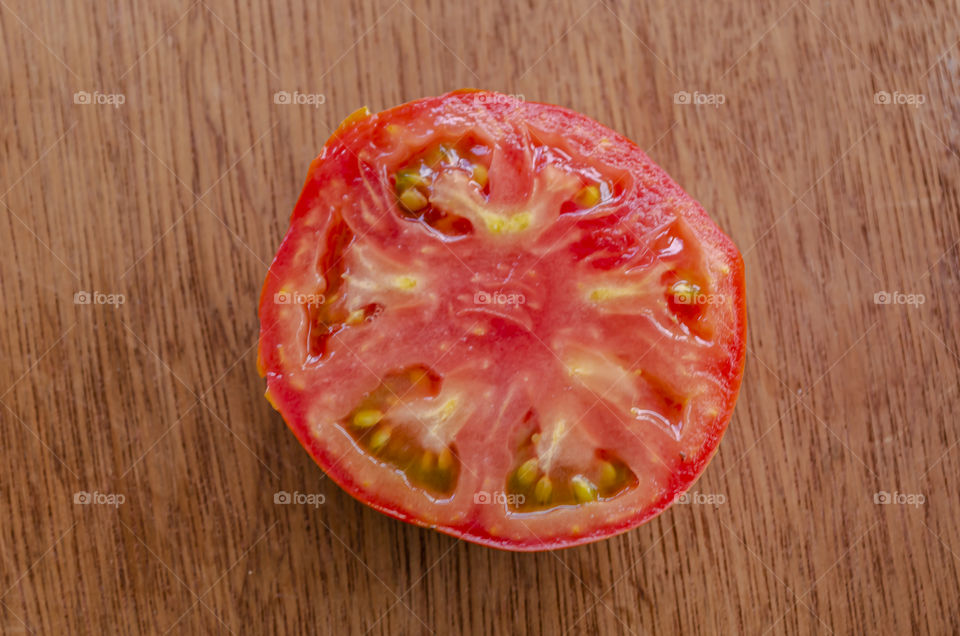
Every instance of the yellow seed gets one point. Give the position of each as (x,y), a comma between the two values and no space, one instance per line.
(427,461)
(587,197)
(365,418)
(527,473)
(445,460)
(407,178)
(583,489)
(543,490)
(608,474)
(380,438)
(480,175)
(437,155)
(413,200)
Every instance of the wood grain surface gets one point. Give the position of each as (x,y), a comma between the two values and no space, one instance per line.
(824,137)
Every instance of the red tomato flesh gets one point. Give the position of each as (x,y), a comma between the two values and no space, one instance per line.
(501,320)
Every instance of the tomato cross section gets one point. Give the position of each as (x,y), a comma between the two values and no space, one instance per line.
(501,320)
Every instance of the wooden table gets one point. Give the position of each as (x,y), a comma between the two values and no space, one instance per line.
(826,142)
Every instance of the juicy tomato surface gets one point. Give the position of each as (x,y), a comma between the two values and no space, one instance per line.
(500,319)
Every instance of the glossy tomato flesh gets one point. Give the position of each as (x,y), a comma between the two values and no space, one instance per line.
(501,320)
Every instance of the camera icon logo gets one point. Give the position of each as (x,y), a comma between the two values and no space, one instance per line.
(882,298)
(282,97)
(882,97)
(482,497)
(82,97)
(882,497)
(81,497)
(282,497)
(681,97)
(82,298)
(481,298)
(282,298)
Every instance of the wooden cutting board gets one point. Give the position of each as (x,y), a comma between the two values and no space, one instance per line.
(145,162)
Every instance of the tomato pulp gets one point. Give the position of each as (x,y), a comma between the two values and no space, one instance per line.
(501,320)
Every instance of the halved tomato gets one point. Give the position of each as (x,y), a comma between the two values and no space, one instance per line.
(501,320)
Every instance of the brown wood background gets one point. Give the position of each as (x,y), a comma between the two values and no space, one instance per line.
(178,198)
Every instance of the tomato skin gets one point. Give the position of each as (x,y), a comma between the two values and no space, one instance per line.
(339,161)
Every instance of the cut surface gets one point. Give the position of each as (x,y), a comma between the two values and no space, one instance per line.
(503,321)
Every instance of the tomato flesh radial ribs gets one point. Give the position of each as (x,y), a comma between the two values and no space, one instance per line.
(503,321)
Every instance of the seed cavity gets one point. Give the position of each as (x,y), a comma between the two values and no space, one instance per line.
(605,478)
(689,293)
(664,404)
(326,309)
(413,183)
(391,442)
